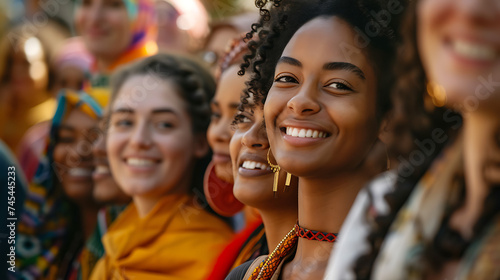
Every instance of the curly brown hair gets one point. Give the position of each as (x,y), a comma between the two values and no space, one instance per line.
(411,92)
(279,23)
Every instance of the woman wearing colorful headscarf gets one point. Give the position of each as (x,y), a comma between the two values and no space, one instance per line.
(116,32)
(70,65)
(59,211)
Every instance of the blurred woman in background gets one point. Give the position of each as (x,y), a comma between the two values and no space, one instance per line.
(439,217)
(116,32)
(59,211)
(71,64)
(27,79)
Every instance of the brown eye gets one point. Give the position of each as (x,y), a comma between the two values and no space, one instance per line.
(339,85)
(286,79)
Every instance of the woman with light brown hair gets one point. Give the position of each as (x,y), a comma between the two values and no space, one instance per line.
(439,217)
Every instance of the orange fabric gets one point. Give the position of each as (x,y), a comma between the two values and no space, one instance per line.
(176,240)
(146,49)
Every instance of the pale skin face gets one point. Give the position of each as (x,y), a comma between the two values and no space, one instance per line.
(224,107)
(460,49)
(151,145)
(104,26)
(324,96)
(73,157)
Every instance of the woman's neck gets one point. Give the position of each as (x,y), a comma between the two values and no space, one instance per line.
(479,143)
(104,64)
(88,216)
(278,222)
(144,204)
(323,206)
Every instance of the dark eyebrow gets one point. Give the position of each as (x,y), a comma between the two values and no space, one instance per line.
(289,60)
(345,66)
(123,110)
(234,105)
(163,111)
(154,111)
(231,105)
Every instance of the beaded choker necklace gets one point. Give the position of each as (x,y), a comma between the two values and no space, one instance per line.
(315,235)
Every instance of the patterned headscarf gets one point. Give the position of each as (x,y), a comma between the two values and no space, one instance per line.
(141,14)
(142,17)
(143,21)
(42,229)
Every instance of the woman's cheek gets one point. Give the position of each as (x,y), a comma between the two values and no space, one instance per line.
(59,154)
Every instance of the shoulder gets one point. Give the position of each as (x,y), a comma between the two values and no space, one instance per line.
(352,241)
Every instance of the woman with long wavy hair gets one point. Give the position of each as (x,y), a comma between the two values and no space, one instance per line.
(439,217)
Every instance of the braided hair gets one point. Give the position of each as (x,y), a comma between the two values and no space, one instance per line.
(195,86)
(411,92)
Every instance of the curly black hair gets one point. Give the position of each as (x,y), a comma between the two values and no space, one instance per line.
(278,24)
(196,87)
(410,91)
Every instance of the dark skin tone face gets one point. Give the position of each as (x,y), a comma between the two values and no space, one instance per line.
(252,173)
(320,113)
(321,122)
(224,106)
(106,190)
(73,156)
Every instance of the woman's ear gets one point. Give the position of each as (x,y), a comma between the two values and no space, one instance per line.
(201,146)
(385,130)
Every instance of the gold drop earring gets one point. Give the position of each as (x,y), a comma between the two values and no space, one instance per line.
(276,170)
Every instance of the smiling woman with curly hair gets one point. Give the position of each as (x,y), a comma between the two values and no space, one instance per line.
(325,97)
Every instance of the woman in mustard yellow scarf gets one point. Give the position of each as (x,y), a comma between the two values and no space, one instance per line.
(157,149)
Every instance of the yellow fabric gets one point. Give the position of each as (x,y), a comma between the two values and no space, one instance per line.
(176,240)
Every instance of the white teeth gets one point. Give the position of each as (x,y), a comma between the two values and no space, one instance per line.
(474,51)
(140,162)
(80,172)
(302,133)
(305,133)
(101,169)
(252,165)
